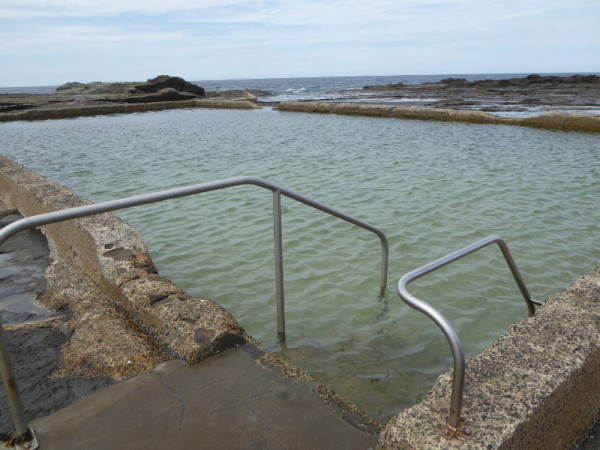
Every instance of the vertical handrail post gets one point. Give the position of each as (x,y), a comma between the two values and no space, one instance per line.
(456,423)
(517,277)
(6,370)
(278,241)
(10,387)
(385,250)
(458,354)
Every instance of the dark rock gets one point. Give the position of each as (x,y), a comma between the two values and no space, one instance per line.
(4,107)
(236,93)
(155,298)
(69,86)
(164,95)
(585,79)
(158,79)
(176,83)
(454,81)
(35,353)
(94,88)
(384,87)
(109,88)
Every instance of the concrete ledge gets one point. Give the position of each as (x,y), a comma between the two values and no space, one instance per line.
(101,273)
(554,120)
(226,104)
(68,112)
(114,257)
(537,386)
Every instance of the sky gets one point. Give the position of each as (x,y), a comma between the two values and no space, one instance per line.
(55,41)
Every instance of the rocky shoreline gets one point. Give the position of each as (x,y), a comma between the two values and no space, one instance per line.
(516,97)
(550,120)
(534,94)
(75,99)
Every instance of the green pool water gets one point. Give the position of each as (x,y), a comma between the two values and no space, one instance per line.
(432,187)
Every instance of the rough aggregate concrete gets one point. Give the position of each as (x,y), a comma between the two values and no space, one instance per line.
(87,343)
(67,111)
(537,386)
(103,341)
(552,120)
(114,257)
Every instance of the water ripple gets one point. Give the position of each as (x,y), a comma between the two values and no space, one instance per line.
(432,187)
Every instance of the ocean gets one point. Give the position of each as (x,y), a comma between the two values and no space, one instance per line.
(309,88)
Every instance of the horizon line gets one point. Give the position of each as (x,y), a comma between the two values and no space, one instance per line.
(313,77)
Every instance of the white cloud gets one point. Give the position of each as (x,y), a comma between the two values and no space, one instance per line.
(16,9)
(293,35)
(274,11)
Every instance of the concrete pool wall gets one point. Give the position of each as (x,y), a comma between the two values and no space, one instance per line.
(536,386)
(551,120)
(112,254)
(67,112)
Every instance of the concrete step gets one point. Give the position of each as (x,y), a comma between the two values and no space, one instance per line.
(229,401)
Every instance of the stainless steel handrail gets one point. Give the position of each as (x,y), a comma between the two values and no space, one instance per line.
(454,418)
(6,370)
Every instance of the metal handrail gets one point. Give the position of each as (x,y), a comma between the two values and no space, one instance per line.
(6,370)
(456,423)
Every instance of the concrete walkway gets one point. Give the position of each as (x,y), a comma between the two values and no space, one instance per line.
(226,402)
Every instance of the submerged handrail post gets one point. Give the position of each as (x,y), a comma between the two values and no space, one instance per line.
(278,241)
(6,370)
(385,250)
(456,423)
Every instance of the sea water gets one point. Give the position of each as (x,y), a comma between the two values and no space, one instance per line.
(432,187)
(312,88)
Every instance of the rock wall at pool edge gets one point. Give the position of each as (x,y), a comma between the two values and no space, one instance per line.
(537,386)
(112,254)
(552,120)
(68,112)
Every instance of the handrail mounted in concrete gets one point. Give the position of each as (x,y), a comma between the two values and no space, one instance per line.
(456,424)
(12,392)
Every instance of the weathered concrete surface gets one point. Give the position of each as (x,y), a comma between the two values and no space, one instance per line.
(537,386)
(93,342)
(35,349)
(228,401)
(85,313)
(23,261)
(114,257)
(102,340)
(94,109)
(81,343)
(553,120)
